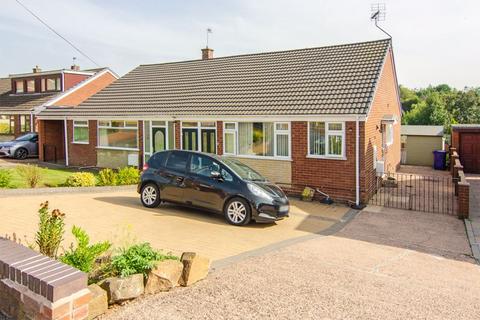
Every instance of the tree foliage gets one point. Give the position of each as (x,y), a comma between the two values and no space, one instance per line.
(440,105)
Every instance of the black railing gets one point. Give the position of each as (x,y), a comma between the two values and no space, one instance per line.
(415,192)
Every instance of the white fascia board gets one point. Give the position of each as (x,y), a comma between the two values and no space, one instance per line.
(331,118)
(46,73)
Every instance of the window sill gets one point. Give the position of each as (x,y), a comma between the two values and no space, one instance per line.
(117,148)
(258,157)
(326,157)
(79,142)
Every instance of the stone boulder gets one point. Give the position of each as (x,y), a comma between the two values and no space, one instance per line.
(164,276)
(195,268)
(98,305)
(120,289)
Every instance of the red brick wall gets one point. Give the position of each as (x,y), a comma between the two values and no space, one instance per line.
(177,135)
(385,102)
(83,93)
(71,79)
(219,137)
(140,144)
(335,177)
(455,140)
(83,155)
(51,133)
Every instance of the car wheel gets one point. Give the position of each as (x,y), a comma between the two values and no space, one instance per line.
(150,195)
(238,212)
(20,154)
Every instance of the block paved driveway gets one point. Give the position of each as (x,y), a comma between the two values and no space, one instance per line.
(116,214)
(385,264)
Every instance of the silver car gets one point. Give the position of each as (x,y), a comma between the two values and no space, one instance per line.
(22,147)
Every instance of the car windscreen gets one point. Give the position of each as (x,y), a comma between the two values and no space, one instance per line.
(242,170)
(26,137)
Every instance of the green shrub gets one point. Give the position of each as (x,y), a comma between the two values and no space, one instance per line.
(84,255)
(32,174)
(107,177)
(139,258)
(128,175)
(5,178)
(81,179)
(50,230)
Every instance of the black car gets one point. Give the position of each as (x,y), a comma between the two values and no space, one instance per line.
(207,181)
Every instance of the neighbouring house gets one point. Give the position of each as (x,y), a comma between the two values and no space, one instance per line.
(419,142)
(466,140)
(326,117)
(23,96)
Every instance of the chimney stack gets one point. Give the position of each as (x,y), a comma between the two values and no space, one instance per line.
(37,69)
(74,67)
(207,53)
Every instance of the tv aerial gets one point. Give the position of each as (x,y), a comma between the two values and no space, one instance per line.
(209,30)
(378,13)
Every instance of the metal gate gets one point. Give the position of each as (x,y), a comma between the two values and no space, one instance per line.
(416,192)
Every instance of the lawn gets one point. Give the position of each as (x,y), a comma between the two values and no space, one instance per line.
(50,178)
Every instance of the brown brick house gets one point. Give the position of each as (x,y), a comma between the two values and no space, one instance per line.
(23,95)
(327,117)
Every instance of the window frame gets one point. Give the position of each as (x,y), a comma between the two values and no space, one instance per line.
(75,124)
(57,84)
(110,127)
(23,86)
(199,128)
(275,133)
(388,134)
(328,133)
(26,118)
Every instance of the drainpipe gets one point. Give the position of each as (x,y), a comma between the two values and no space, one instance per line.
(66,140)
(32,129)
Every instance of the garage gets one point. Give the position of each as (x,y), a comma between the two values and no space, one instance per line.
(419,142)
(466,139)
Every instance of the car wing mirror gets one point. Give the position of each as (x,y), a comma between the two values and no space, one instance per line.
(215,175)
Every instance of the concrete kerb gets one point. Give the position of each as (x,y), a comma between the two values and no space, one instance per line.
(220,264)
(474,245)
(37,191)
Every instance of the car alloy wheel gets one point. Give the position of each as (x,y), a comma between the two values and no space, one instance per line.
(150,196)
(237,212)
(21,154)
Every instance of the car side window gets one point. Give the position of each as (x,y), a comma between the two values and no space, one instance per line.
(226,175)
(177,161)
(203,166)
(158,160)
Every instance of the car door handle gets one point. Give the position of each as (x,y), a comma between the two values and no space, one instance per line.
(180,179)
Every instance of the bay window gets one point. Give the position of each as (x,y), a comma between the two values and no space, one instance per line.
(80,131)
(326,139)
(262,139)
(118,134)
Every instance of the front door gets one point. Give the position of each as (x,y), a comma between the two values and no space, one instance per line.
(208,141)
(159,139)
(189,139)
(470,152)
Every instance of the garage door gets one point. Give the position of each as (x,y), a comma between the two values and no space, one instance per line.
(470,152)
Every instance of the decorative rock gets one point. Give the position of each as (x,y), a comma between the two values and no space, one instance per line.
(98,305)
(195,268)
(120,289)
(164,277)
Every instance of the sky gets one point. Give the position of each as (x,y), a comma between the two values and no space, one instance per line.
(434,41)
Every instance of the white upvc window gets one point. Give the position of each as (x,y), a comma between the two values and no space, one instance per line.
(326,139)
(80,131)
(388,134)
(257,139)
(118,134)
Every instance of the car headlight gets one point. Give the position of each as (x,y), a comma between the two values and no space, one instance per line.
(259,192)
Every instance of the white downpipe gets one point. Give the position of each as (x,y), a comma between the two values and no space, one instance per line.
(66,140)
(357,163)
(32,129)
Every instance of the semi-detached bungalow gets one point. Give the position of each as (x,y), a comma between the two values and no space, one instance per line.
(326,117)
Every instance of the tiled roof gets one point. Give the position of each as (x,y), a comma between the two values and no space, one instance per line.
(12,103)
(422,130)
(337,79)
